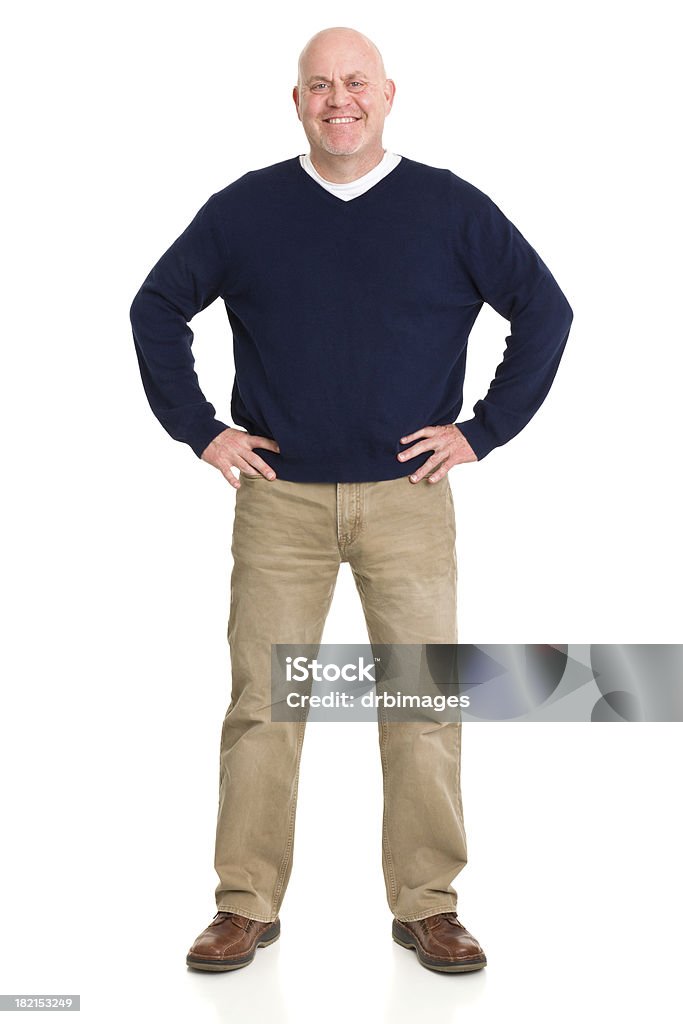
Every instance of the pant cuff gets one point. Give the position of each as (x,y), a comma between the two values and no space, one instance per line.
(234,909)
(445,908)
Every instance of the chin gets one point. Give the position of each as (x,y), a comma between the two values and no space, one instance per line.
(342,151)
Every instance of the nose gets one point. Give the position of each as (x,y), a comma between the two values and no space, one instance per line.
(336,97)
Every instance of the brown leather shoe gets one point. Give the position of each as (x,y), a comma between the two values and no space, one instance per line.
(231,941)
(441,943)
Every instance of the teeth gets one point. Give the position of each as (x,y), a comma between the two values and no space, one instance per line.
(341,120)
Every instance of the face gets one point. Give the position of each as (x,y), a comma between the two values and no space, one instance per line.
(344,98)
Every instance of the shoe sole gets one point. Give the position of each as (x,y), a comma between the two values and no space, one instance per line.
(234,963)
(405,938)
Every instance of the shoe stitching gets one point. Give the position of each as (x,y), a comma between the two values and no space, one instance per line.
(436,956)
(236,940)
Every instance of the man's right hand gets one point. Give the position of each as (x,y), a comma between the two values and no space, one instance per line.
(234,449)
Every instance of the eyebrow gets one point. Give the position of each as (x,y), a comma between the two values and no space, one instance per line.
(321,78)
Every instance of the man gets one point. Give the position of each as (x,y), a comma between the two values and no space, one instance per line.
(352,278)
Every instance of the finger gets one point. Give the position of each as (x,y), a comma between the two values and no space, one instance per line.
(261,467)
(240,462)
(429,467)
(263,442)
(441,471)
(422,432)
(230,477)
(415,450)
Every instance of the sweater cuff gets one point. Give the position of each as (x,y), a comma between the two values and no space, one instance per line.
(478,437)
(204,435)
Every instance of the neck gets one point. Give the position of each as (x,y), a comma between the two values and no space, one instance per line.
(341,169)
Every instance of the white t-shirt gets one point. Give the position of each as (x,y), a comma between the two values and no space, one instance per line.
(351,189)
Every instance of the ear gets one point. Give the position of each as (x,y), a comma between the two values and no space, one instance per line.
(295,97)
(389,93)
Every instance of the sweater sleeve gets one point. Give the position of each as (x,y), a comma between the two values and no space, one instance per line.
(512,278)
(187,278)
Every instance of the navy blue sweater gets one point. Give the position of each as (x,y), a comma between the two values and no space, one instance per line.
(350,319)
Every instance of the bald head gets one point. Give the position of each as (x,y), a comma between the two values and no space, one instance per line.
(342,98)
(339,37)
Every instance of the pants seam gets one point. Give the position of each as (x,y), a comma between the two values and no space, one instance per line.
(292,816)
(356,524)
(341,537)
(393,888)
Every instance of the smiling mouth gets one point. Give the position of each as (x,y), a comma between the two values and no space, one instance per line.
(340,120)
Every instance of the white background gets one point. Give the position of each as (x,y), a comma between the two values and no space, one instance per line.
(119,122)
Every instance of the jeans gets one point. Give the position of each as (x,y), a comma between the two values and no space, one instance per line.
(289,540)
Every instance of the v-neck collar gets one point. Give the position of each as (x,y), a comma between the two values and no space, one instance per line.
(330,196)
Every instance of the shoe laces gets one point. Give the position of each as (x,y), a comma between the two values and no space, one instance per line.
(223,915)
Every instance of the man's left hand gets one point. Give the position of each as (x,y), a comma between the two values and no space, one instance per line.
(449,445)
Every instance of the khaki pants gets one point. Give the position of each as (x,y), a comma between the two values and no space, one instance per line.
(288,542)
